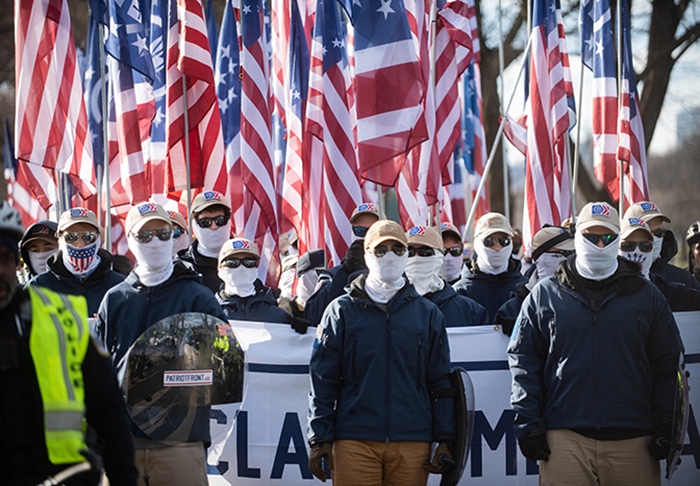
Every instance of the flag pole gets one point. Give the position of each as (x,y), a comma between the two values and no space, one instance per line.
(104,171)
(187,155)
(574,166)
(431,85)
(499,134)
(501,95)
(618,12)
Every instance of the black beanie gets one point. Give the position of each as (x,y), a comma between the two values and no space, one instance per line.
(11,241)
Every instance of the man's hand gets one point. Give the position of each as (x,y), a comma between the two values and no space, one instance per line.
(535,447)
(318,452)
(442,459)
(660,444)
(354,258)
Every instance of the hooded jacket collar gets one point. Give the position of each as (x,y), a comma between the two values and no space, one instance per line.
(356,290)
(181,271)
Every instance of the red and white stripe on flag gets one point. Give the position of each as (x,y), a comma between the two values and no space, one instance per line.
(188,55)
(256,139)
(547,189)
(21,186)
(51,125)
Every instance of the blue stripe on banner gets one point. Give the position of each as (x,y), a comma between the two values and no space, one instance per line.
(281,369)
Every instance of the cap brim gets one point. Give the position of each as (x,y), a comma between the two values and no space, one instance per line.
(629,231)
(489,231)
(210,203)
(141,222)
(591,224)
(49,238)
(382,239)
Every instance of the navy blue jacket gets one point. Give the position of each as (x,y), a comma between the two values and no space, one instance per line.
(491,291)
(458,310)
(594,355)
(59,279)
(130,308)
(331,284)
(261,306)
(373,368)
(208,267)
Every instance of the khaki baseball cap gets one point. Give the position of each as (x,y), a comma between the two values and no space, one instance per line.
(491,223)
(207,199)
(551,238)
(364,208)
(77,215)
(631,224)
(449,228)
(384,230)
(598,214)
(424,236)
(646,211)
(143,213)
(238,247)
(178,219)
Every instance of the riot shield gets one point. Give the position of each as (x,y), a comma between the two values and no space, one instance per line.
(679,426)
(177,369)
(464,418)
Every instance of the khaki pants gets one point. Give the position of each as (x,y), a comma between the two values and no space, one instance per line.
(179,465)
(373,463)
(580,461)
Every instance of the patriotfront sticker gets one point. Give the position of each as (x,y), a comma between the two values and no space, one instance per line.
(188,378)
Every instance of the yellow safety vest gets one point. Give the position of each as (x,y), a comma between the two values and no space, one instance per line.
(58,342)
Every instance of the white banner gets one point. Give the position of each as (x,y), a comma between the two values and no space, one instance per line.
(267,444)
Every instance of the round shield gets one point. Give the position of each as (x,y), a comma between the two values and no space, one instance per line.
(177,369)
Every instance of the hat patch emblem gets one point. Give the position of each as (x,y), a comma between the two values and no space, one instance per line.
(416,230)
(240,245)
(147,208)
(600,209)
(76,212)
(208,195)
(647,206)
(636,221)
(366,207)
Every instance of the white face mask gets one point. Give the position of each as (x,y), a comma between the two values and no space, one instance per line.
(154,261)
(491,261)
(239,281)
(424,273)
(592,261)
(453,267)
(180,243)
(547,264)
(286,283)
(306,284)
(79,261)
(644,260)
(38,260)
(385,276)
(211,241)
(656,250)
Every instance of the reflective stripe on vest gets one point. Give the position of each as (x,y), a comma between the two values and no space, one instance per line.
(58,342)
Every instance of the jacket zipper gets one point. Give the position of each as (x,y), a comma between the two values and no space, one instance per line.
(597,374)
(387,386)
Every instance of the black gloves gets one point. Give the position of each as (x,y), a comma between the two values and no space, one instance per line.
(311,260)
(319,451)
(299,324)
(355,258)
(660,444)
(535,447)
(442,459)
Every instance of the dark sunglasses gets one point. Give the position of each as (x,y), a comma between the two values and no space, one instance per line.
(359,231)
(422,252)
(629,246)
(177,232)
(382,250)
(659,232)
(206,222)
(88,237)
(455,251)
(144,236)
(236,262)
(606,239)
(489,241)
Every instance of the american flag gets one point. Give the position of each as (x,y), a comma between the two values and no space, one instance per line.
(20,188)
(188,57)
(295,91)
(81,258)
(598,54)
(341,186)
(630,131)
(454,210)
(547,190)
(212,29)
(51,126)
(158,40)
(228,90)
(131,75)
(256,140)
(389,88)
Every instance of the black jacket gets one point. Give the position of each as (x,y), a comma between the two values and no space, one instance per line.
(206,266)
(668,271)
(23,455)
